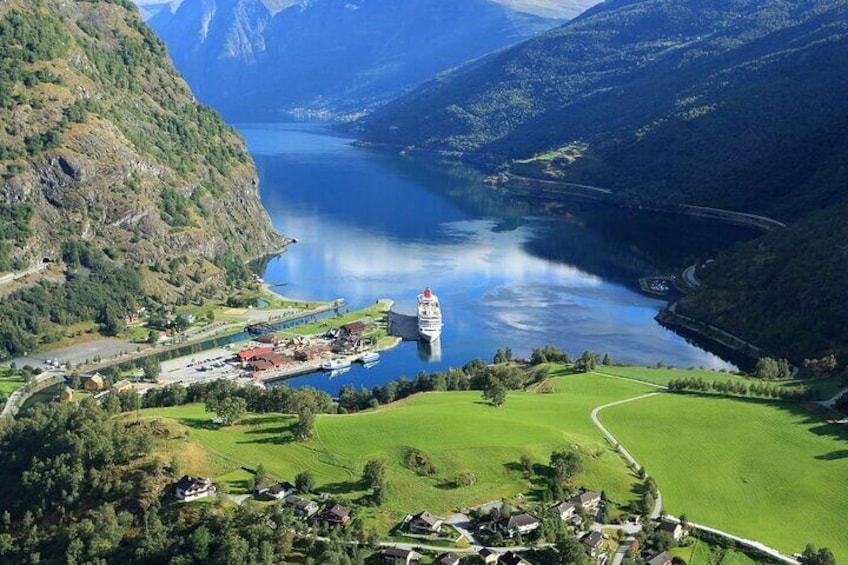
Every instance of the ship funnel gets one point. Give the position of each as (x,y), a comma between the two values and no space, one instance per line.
(428,293)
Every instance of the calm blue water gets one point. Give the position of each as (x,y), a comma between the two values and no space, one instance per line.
(372,225)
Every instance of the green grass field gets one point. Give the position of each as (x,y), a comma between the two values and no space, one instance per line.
(9,383)
(457,431)
(663,376)
(764,471)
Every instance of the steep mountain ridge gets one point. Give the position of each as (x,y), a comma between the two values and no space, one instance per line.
(104,149)
(252,61)
(670,100)
(736,104)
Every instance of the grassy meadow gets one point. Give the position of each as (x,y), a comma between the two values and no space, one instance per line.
(457,431)
(760,470)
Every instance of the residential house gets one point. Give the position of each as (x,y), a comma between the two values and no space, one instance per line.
(448,559)
(353,329)
(674,529)
(586,501)
(510,558)
(425,523)
(488,556)
(397,556)
(121,386)
(268,361)
(67,394)
(564,510)
(94,382)
(311,353)
(654,558)
(303,508)
(335,515)
(191,488)
(592,543)
(269,339)
(278,491)
(519,525)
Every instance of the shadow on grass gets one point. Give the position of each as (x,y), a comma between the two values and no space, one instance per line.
(200,423)
(833,455)
(344,487)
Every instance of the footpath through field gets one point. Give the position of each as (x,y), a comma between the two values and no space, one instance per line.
(657,511)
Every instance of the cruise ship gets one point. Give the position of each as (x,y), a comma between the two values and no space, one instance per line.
(429,316)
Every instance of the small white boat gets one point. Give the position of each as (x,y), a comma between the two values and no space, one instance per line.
(369,357)
(336,364)
(338,372)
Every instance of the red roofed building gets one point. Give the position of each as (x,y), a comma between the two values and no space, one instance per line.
(248,354)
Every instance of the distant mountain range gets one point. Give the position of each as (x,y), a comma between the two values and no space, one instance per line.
(737,104)
(255,59)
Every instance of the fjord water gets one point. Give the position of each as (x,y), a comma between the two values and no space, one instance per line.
(376,225)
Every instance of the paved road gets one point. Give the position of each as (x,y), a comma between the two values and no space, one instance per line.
(626,454)
(622,551)
(689,276)
(12,277)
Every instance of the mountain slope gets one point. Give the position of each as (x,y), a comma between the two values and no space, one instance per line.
(104,149)
(663,100)
(251,59)
(736,104)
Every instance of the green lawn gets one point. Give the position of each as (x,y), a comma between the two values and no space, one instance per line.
(375,312)
(663,376)
(9,383)
(458,431)
(764,471)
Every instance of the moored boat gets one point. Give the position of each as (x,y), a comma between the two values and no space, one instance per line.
(369,357)
(429,316)
(335,364)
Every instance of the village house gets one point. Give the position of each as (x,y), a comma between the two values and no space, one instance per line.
(269,339)
(519,525)
(653,558)
(277,491)
(190,488)
(121,386)
(510,558)
(397,556)
(592,543)
(353,329)
(335,515)
(311,353)
(488,556)
(564,510)
(67,394)
(425,523)
(586,501)
(303,508)
(674,529)
(268,362)
(94,382)
(448,559)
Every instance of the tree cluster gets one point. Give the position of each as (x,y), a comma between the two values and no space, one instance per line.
(739,388)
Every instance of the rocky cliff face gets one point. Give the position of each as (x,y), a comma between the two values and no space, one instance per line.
(256,59)
(103,142)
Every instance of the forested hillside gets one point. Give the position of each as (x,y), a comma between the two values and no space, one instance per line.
(734,103)
(112,172)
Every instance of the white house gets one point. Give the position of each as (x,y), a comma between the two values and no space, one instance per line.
(191,488)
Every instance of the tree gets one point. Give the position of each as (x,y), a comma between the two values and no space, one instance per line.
(260,477)
(229,409)
(607,360)
(587,362)
(766,368)
(570,550)
(495,393)
(374,475)
(304,482)
(566,464)
(813,557)
(151,368)
(526,466)
(305,425)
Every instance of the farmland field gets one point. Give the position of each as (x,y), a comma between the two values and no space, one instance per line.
(457,431)
(764,471)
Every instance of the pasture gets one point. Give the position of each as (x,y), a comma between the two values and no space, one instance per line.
(766,471)
(457,431)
